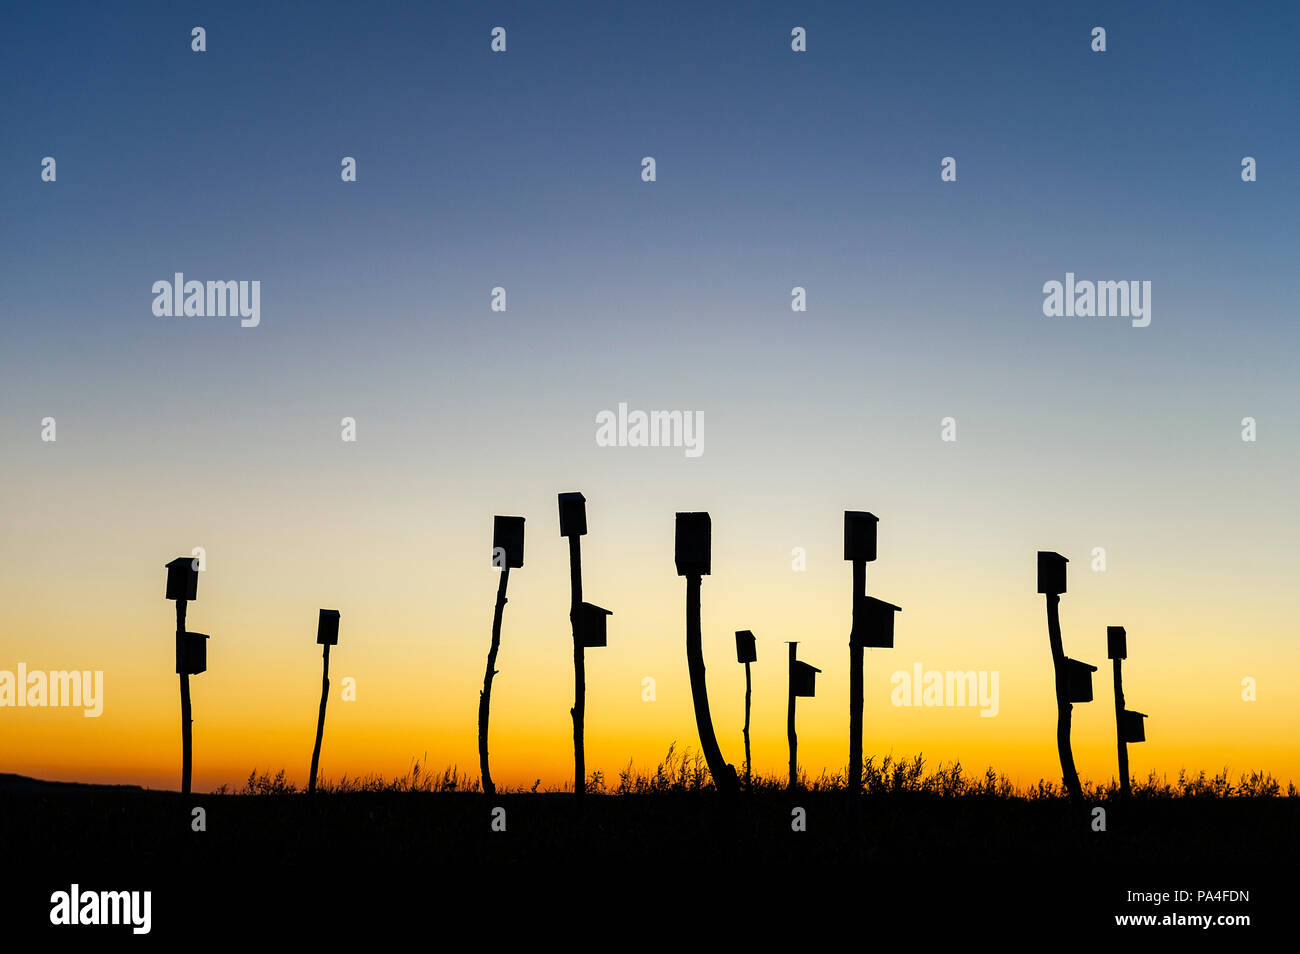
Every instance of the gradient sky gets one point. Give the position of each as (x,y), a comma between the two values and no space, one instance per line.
(522,170)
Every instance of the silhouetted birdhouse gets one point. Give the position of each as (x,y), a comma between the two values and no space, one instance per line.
(746,650)
(802,678)
(573,515)
(1116,643)
(860,535)
(327,629)
(508,535)
(191,653)
(1132,727)
(591,624)
(692,544)
(182,579)
(1051,572)
(1078,680)
(875,627)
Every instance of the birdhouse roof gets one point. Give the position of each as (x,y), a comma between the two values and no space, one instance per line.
(326,612)
(592,606)
(1079,662)
(1116,629)
(573,496)
(204,635)
(744,634)
(1136,713)
(800,662)
(872,601)
(1052,555)
(189,561)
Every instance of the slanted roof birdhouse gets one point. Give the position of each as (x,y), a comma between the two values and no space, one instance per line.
(746,650)
(191,653)
(508,541)
(860,535)
(182,579)
(327,629)
(1051,572)
(803,678)
(573,515)
(692,543)
(1131,727)
(591,624)
(873,624)
(1116,643)
(1078,680)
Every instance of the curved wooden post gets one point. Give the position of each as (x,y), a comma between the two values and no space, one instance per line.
(749,765)
(724,776)
(485,697)
(320,719)
(1124,789)
(855,680)
(1063,707)
(789,727)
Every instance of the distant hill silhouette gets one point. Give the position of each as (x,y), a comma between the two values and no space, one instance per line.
(10,781)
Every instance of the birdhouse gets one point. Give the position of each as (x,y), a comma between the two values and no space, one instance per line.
(1131,728)
(1078,680)
(182,579)
(1116,643)
(746,651)
(191,653)
(873,624)
(860,535)
(1051,572)
(327,629)
(591,624)
(692,545)
(573,515)
(508,536)
(802,677)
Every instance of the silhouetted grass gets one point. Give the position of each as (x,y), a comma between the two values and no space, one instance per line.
(686,771)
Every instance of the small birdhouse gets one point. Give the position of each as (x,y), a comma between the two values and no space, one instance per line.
(692,544)
(1131,727)
(191,653)
(1051,572)
(182,579)
(1078,680)
(746,651)
(1116,643)
(591,624)
(802,678)
(327,629)
(508,536)
(573,515)
(860,535)
(873,625)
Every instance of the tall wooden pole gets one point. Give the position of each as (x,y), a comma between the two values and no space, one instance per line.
(749,765)
(724,776)
(1063,707)
(1119,730)
(579,709)
(485,697)
(789,726)
(320,719)
(855,678)
(187,744)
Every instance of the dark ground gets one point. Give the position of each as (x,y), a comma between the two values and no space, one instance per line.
(652,868)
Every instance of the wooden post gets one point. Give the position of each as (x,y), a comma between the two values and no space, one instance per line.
(724,776)
(1063,706)
(485,697)
(1119,730)
(320,719)
(749,765)
(579,709)
(187,744)
(855,679)
(789,725)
